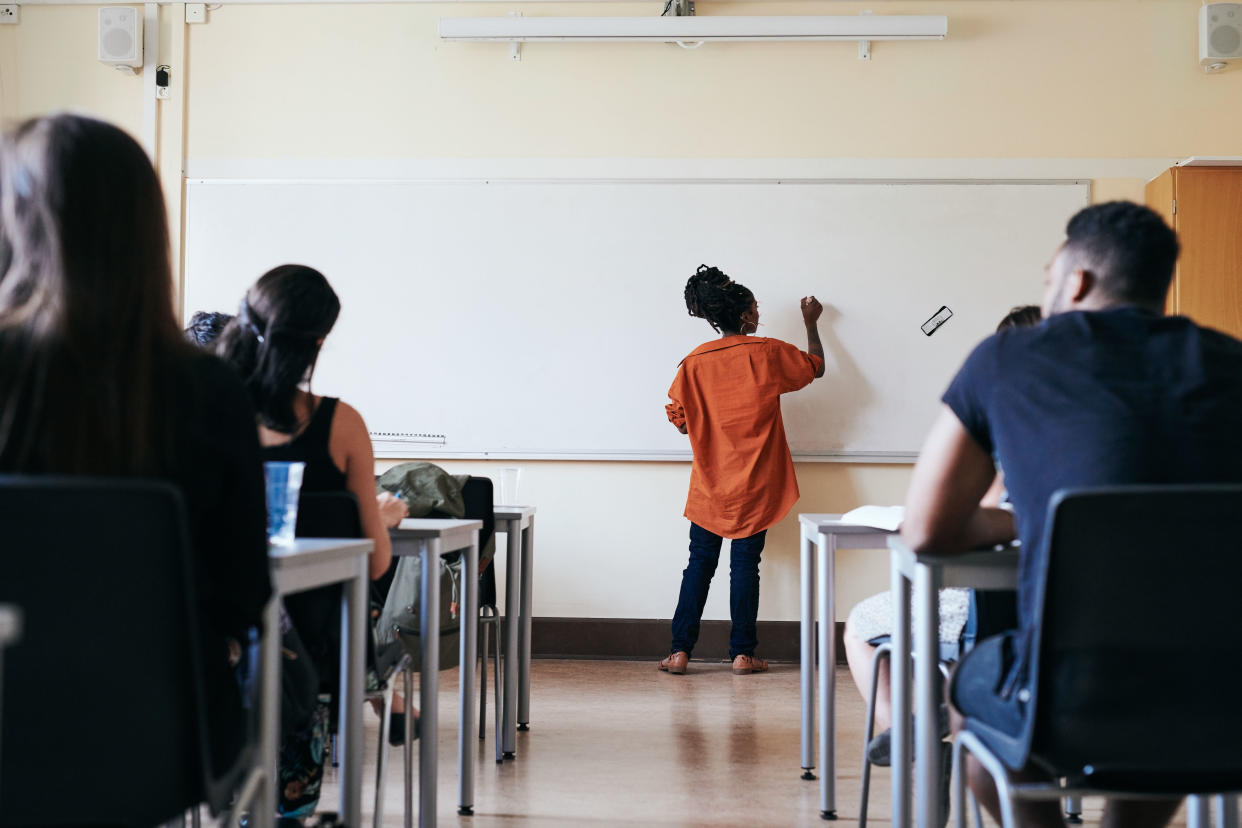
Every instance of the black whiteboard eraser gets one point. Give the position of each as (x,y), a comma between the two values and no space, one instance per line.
(938,318)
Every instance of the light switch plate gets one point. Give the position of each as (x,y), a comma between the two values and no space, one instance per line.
(195,12)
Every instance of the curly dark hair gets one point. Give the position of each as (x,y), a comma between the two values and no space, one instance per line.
(206,326)
(1023,316)
(1128,247)
(713,296)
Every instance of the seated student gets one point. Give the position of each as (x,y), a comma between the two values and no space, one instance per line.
(205,328)
(870,622)
(1106,391)
(274,343)
(95,378)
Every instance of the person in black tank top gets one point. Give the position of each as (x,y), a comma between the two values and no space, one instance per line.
(274,343)
(311,447)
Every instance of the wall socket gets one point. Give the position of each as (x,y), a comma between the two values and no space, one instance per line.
(8,14)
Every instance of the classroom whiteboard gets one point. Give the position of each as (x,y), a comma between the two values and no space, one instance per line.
(546,319)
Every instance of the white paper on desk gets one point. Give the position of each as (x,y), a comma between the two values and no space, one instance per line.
(887,518)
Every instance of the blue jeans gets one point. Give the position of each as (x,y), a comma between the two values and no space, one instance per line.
(743,590)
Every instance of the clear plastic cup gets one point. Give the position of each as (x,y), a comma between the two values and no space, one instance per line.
(509,479)
(284,484)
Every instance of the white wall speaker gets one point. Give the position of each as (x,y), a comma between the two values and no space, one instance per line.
(1220,33)
(120,36)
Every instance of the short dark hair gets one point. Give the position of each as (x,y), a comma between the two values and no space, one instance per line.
(712,295)
(205,326)
(1128,247)
(1023,316)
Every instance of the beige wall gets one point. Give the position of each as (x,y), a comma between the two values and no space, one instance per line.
(1019,79)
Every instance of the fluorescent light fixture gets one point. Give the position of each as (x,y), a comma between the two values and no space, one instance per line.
(695,29)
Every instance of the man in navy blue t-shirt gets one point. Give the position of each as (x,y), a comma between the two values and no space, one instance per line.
(1106,391)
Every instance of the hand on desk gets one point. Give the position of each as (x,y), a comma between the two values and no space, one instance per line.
(392,509)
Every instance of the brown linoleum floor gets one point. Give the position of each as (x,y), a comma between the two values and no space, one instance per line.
(619,743)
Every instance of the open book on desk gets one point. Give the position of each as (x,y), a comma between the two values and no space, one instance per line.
(887,518)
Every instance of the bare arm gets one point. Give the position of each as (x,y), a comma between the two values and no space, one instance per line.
(811,309)
(943,510)
(360,479)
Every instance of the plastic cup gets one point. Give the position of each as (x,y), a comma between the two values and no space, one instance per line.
(509,479)
(284,484)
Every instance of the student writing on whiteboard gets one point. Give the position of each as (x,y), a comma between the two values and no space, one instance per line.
(726,397)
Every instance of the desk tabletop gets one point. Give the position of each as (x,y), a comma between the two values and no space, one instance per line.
(10,624)
(513,512)
(991,568)
(310,551)
(452,534)
(828,522)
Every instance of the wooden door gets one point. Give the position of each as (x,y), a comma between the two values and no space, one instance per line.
(1209,226)
(1160,199)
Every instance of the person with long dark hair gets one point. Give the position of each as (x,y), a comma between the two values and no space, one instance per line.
(727,398)
(274,343)
(96,378)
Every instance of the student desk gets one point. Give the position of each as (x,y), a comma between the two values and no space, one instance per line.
(430,538)
(518,524)
(822,534)
(310,563)
(980,569)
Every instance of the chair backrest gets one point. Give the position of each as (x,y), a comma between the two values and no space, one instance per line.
(1140,645)
(328,515)
(103,719)
(316,613)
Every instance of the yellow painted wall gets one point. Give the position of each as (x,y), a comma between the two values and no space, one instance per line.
(1039,79)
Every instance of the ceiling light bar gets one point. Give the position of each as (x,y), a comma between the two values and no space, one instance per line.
(694,29)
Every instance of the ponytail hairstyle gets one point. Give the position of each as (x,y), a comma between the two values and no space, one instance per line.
(713,296)
(274,341)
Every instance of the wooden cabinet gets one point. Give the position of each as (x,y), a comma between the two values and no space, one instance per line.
(1204,206)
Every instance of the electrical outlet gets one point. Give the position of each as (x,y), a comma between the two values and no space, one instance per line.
(8,14)
(161,92)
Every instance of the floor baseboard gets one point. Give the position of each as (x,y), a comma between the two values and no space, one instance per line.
(648,638)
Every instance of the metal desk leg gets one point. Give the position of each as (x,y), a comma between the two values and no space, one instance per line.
(1197,815)
(927,682)
(900,672)
(354,605)
(528,598)
(1073,810)
(263,808)
(513,604)
(469,640)
(1226,808)
(429,684)
(825,572)
(807,651)
(407,767)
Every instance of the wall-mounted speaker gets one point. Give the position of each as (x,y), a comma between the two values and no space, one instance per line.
(1220,33)
(120,36)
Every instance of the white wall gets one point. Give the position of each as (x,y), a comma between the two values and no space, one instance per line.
(1114,82)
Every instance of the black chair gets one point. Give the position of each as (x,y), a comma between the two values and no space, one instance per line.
(1132,688)
(104,718)
(316,616)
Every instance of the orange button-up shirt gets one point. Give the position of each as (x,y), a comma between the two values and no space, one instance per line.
(728,394)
